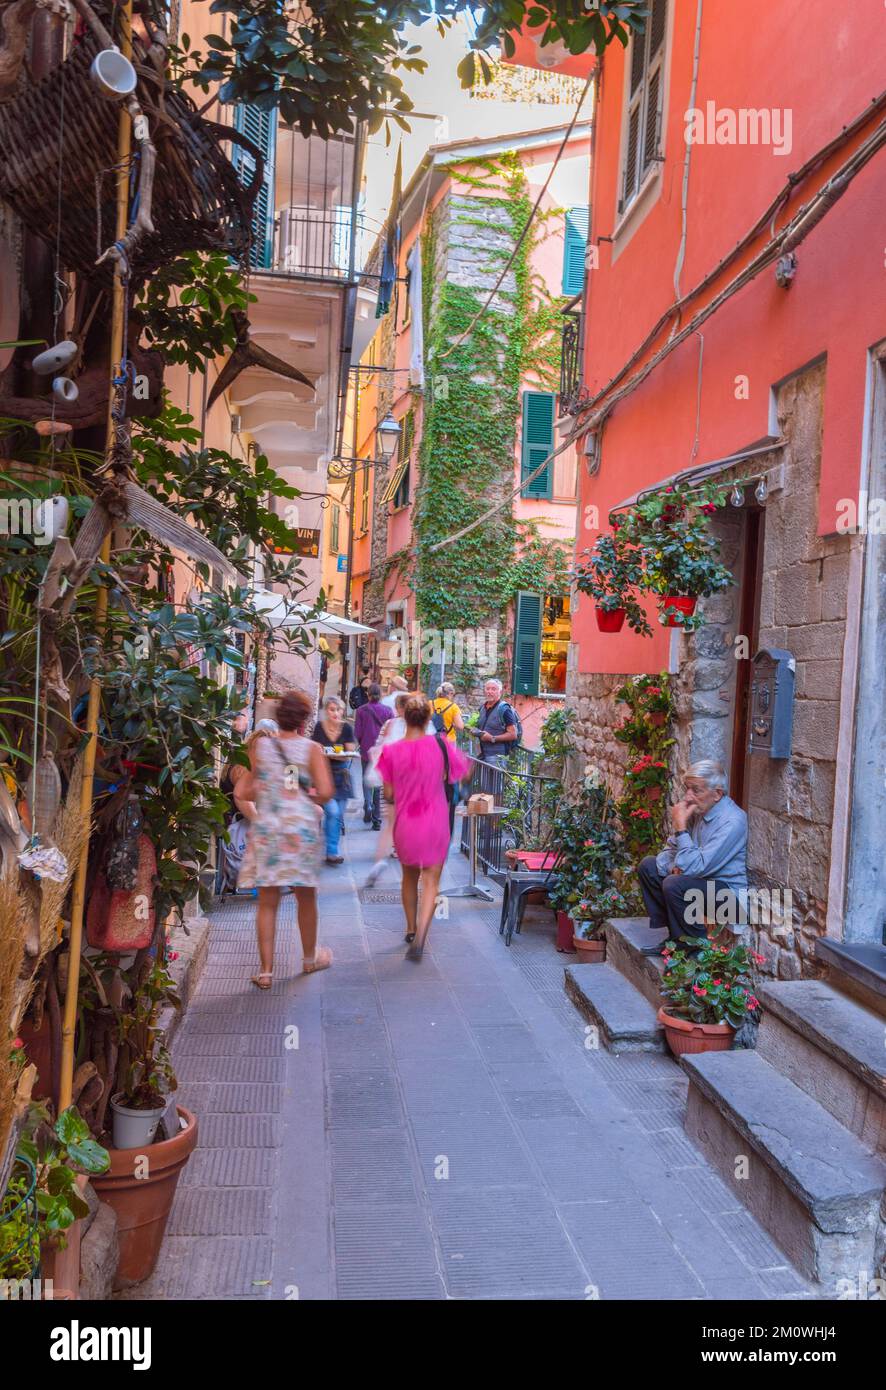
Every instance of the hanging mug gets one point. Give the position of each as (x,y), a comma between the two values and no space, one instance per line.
(64,389)
(55,358)
(113,74)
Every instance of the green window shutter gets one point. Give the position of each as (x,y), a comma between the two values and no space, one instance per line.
(538,442)
(527,643)
(261,128)
(334,531)
(575,242)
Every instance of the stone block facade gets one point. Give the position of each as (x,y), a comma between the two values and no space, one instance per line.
(802,610)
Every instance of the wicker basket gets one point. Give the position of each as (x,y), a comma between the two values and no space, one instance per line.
(199,203)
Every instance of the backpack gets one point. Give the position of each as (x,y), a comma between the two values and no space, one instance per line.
(515,742)
(437,720)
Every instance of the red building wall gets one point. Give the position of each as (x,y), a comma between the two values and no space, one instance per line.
(775,55)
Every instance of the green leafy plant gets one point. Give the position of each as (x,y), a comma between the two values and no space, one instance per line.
(681,555)
(57,1151)
(613,575)
(711,985)
(596,907)
(186,307)
(146,1076)
(336,62)
(647,737)
(557,733)
(587,836)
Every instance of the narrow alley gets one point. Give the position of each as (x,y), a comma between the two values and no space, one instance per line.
(434,1131)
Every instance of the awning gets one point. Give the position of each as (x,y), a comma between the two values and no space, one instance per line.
(702,472)
(280,612)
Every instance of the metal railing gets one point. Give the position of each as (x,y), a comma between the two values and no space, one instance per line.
(513,784)
(316,242)
(571,360)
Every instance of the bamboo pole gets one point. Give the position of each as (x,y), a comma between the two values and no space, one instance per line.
(78,900)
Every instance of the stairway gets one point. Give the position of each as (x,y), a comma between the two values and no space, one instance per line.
(797,1128)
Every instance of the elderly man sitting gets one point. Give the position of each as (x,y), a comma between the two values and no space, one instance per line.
(701,874)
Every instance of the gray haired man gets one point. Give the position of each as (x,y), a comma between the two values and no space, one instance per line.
(701,874)
(497,726)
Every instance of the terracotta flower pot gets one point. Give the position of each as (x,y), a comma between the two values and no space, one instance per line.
(652,793)
(143,1203)
(684,605)
(564,931)
(591,951)
(684,1036)
(612,621)
(657,718)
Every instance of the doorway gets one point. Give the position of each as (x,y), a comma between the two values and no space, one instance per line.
(748,627)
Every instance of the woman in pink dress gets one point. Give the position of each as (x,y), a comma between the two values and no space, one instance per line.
(416,772)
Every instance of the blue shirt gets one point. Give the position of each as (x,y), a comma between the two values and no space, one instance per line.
(714,846)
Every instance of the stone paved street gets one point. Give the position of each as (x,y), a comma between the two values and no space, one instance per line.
(440,1130)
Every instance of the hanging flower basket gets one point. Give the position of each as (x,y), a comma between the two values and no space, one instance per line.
(685,606)
(612,621)
(199,202)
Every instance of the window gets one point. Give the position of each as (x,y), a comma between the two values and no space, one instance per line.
(541,644)
(401,495)
(537,442)
(396,490)
(334,526)
(261,128)
(575,241)
(646,81)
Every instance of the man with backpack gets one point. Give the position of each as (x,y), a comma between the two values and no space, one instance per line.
(498,727)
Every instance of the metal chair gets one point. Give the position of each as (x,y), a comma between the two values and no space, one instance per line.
(519,883)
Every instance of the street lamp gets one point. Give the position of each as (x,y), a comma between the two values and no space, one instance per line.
(389,432)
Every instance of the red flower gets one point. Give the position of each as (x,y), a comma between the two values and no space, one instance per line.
(709,508)
(642,815)
(716,982)
(653,690)
(696,989)
(759,959)
(17,1042)
(173,955)
(588,842)
(752,1002)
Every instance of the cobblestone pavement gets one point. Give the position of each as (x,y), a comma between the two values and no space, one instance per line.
(434,1130)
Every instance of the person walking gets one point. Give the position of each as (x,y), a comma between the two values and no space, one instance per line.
(445,713)
(360,692)
(337,739)
(397,686)
(418,773)
(284,846)
(367,724)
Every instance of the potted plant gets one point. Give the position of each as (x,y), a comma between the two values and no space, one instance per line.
(657,705)
(648,776)
(612,575)
(143,1175)
(707,993)
(681,556)
(587,836)
(591,916)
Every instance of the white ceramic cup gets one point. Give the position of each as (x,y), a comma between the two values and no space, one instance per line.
(113,74)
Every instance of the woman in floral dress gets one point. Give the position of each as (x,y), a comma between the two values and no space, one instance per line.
(286,838)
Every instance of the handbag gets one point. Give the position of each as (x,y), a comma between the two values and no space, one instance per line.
(448,786)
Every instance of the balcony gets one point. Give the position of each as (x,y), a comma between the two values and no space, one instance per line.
(571,358)
(315,243)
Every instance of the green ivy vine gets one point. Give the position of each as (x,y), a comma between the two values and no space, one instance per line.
(466,458)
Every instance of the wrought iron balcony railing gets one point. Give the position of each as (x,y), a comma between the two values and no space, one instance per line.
(571,359)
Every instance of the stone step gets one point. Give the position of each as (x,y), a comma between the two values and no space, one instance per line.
(832,1047)
(627,1022)
(632,949)
(814,1186)
(857,968)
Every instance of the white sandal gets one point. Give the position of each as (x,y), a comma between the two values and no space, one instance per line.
(265,975)
(322,961)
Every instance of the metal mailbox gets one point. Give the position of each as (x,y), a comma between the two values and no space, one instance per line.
(772,703)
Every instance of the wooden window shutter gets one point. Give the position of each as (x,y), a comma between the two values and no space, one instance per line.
(575,241)
(538,441)
(527,643)
(630,177)
(261,128)
(650,133)
(657,26)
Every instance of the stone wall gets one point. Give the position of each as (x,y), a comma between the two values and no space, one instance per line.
(597,712)
(803,610)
